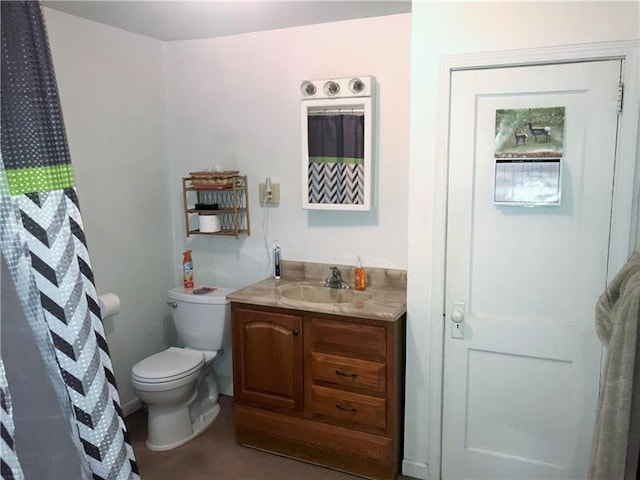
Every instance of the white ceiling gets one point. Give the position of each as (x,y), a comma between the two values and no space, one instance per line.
(187,20)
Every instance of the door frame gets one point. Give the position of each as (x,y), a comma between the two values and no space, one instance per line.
(625,209)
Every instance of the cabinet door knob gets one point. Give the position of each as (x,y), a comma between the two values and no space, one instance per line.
(295,331)
(342,374)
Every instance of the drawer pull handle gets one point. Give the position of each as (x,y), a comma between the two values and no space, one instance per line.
(295,331)
(342,374)
(346,409)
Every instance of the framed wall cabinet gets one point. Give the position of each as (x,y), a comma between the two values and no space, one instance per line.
(337,143)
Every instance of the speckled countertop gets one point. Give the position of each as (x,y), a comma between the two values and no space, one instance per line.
(385,299)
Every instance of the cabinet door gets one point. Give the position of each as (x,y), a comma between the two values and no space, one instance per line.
(267,356)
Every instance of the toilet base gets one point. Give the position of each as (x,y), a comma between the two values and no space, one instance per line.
(177,427)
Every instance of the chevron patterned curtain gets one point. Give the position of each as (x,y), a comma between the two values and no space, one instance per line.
(336,159)
(43,243)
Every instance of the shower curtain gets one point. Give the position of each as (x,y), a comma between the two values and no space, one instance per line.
(42,240)
(336,159)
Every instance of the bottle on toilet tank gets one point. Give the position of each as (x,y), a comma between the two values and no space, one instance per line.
(187,269)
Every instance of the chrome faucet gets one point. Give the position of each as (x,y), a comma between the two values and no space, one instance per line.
(335,281)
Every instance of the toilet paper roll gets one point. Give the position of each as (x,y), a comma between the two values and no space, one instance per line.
(209,223)
(109,304)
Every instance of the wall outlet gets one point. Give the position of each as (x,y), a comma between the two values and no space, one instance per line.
(266,199)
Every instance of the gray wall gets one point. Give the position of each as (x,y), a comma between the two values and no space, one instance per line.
(43,441)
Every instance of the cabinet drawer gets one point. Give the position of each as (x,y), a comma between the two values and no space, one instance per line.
(351,372)
(353,339)
(348,406)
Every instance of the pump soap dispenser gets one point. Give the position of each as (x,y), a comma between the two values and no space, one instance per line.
(360,282)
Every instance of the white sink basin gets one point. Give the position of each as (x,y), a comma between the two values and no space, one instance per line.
(320,294)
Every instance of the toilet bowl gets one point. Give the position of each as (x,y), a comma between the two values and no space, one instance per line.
(179,385)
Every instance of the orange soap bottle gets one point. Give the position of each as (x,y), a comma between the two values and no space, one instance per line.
(360,277)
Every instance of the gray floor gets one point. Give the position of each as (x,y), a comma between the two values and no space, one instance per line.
(215,455)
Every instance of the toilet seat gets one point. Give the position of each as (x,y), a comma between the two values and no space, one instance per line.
(168,366)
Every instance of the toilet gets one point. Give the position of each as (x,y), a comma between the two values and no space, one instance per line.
(179,385)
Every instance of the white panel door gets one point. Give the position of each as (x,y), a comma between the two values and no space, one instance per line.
(521,386)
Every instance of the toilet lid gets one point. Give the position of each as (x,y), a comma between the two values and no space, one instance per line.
(171,364)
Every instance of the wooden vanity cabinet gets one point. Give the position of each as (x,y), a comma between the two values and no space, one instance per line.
(349,373)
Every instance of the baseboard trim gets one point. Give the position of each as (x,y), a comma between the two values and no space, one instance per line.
(131,407)
(225,385)
(415,469)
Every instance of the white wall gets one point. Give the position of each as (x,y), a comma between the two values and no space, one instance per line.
(111,86)
(439,29)
(235,101)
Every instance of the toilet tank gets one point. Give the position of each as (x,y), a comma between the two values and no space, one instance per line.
(203,321)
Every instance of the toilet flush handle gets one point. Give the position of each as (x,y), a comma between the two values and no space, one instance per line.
(173,304)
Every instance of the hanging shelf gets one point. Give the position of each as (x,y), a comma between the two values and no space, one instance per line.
(223,194)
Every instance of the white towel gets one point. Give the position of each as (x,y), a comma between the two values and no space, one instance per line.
(617,313)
